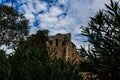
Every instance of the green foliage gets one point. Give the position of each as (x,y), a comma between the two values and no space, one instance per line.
(103,33)
(31,61)
(62,70)
(33,65)
(13,26)
(29,65)
(37,40)
(4,66)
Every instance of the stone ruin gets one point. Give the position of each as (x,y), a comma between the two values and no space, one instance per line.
(61,46)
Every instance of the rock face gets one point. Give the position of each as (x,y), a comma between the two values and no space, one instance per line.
(61,46)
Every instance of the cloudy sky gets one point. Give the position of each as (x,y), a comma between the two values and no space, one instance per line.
(58,16)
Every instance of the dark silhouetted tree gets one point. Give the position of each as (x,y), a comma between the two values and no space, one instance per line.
(103,32)
(13,26)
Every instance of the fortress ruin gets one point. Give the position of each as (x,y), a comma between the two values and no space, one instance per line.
(61,46)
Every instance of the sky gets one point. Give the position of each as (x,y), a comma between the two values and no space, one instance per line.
(58,16)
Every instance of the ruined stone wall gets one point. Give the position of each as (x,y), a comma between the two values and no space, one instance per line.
(62,46)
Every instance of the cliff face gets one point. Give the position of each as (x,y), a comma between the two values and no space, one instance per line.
(62,47)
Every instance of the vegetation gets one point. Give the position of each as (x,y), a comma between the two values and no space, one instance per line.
(13,26)
(103,32)
(31,60)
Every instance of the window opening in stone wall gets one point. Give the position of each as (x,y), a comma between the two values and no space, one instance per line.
(50,43)
(56,40)
(63,43)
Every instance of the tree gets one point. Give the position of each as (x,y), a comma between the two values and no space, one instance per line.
(30,60)
(38,40)
(103,33)
(13,26)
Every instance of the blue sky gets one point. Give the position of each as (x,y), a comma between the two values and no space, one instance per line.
(58,16)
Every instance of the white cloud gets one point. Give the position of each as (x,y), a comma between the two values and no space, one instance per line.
(62,1)
(22,1)
(28,13)
(39,6)
(55,31)
(30,17)
(99,4)
(46,18)
(117,0)
(55,11)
